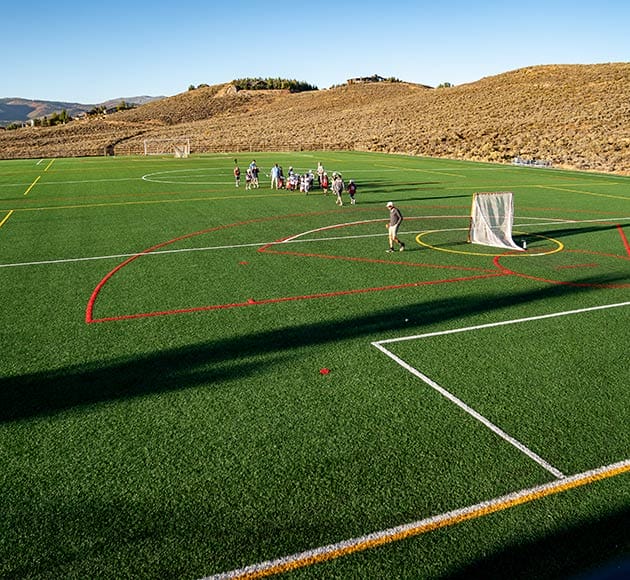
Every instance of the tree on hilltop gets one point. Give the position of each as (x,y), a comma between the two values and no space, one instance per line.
(258,84)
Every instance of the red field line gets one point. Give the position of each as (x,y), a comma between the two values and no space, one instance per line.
(90,305)
(624,239)
(252,302)
(481,273)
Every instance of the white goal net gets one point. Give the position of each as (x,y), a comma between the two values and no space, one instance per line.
(491,220)
(177,146)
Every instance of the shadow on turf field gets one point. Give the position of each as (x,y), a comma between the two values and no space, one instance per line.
(48,393)
(407,199)
(567,232)
(599,546)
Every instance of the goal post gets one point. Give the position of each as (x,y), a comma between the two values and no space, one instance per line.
(181,151)
(491,219)
(176,146)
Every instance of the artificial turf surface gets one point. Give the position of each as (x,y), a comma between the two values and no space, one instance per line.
(182,394)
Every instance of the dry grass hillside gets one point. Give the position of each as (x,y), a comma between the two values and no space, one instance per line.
(576,116)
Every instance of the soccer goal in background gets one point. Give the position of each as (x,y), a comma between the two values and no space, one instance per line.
(491,220)
(176,146)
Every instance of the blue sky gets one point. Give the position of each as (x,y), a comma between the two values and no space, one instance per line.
(91,52)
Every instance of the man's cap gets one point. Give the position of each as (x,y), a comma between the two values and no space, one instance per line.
(389,204)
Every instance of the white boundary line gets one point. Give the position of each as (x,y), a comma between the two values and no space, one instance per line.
(382,537)
(296,239)
(502,323)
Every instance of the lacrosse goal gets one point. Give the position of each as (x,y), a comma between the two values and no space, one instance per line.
(176,146)
(491,220)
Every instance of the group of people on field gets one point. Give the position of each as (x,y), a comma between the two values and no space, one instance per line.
(294,181)
(305,183)
(251,175)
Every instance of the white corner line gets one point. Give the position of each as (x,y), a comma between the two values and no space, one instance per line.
(487,423)
(494,428)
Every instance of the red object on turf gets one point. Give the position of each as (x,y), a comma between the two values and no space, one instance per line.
(324,371)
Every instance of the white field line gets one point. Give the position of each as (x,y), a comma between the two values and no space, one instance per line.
(497,430)
(502,323)
(379,345)
(185,250)
(295,239)
(382,537)
(404,531)
(114,256)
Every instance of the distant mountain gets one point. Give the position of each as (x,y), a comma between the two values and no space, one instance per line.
(18,110)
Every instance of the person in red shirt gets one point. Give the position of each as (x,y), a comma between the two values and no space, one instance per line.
(352,189)
(325,183)
(237,174)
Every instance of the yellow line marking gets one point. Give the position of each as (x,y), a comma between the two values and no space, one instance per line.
(403,532)
(6,217)
(583,192)
(32,184)
(48,166)
(559,248)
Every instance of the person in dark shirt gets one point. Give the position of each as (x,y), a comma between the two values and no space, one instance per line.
(352,189)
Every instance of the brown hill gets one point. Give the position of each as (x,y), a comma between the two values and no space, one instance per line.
(575,116)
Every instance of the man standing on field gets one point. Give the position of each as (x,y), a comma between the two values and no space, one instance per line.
(275,175)
(237,174)
(395,219)
(338,187)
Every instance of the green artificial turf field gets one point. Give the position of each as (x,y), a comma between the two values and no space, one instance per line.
(198,379)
